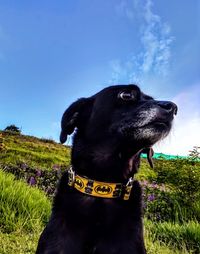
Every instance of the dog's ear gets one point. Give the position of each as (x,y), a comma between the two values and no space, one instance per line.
(71,118)
(149,151)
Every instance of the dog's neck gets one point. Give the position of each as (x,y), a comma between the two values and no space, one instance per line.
(105,161)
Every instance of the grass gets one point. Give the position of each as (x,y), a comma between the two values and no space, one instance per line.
(156,247)
(37,153)
(23,213)
(176,235)
(26,243)
(18,242)
(21,207)
(24,210)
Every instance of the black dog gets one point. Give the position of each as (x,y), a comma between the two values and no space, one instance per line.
(97,208)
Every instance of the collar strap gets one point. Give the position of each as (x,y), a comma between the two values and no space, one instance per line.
(99,189)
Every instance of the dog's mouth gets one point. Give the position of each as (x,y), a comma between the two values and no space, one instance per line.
(148,133)
(159,129)
(149,125)
(156,119)
(160,124)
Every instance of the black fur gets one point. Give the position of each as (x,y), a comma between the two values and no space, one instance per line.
(112,128)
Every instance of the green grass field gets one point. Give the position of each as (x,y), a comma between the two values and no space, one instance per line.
(25,209)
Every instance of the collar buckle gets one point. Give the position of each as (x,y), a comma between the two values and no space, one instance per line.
(128,188)
(130,182)
(71,177)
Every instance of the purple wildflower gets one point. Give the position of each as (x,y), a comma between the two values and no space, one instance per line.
(151,197)
(38,173)
(32,181)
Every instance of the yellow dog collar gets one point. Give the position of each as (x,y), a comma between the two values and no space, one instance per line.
(99,189)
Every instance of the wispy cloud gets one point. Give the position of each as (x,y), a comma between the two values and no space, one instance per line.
(156,41)
(123,8)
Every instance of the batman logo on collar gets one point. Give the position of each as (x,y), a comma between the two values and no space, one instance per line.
(79,183)
(103,189)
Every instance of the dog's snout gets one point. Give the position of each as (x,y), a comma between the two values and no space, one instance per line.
(168,106)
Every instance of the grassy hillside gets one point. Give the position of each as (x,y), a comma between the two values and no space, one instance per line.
(29,171)
(38,153)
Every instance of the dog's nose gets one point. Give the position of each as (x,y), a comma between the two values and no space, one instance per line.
(168,106)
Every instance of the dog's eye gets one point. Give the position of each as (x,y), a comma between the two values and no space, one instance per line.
(127,96)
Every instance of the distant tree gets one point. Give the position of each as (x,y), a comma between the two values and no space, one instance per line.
(195,153)
(13,128)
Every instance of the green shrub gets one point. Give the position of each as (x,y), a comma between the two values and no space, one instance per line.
(182,177)
(160,202)
(195,153)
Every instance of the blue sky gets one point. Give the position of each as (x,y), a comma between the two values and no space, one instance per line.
(53,52)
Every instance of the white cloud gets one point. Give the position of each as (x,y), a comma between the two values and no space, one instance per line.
(123,8)
(186,130)
(155,38)
(121,71)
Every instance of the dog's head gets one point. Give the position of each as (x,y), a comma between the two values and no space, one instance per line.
(123,111)
(120,116)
